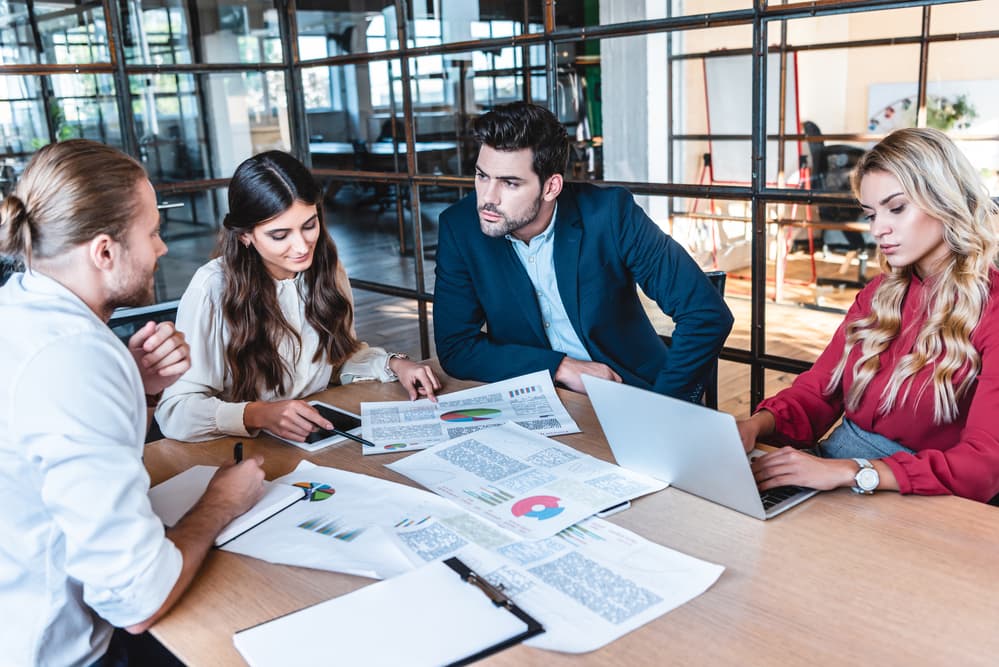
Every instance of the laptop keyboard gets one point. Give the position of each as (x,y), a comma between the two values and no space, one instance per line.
(771,497)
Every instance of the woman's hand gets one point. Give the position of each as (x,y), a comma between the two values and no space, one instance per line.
(292,420)
(788,465)
(750,430)
(417,379)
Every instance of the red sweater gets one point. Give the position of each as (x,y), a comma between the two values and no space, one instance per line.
(960,458)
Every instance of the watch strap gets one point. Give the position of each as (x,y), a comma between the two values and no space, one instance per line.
(862,465)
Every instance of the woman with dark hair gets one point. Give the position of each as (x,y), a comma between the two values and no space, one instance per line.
(271,318)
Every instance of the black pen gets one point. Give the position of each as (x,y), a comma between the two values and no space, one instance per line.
(237,451)
(355,438)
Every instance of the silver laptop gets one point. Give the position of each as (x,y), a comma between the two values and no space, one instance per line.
(693,448)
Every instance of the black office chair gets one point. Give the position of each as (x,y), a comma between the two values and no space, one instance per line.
(126,321)
(706,391)
(8,267)
(831,167)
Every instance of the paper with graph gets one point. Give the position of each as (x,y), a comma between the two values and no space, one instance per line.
(589,584)
(345,524)
(529,400)
(523,482)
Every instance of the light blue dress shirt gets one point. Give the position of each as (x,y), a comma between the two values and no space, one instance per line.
(538,258)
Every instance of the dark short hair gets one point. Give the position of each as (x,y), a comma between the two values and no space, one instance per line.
(519,125)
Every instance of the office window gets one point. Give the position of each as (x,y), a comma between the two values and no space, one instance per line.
(174,32)
(655,102)
(52,33)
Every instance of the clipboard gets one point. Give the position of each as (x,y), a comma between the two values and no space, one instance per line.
(440,613)
(499,599)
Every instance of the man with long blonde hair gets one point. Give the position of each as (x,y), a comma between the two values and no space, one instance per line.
(911,369)
(82,550)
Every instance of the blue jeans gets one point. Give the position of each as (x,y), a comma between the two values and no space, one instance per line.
(849,441)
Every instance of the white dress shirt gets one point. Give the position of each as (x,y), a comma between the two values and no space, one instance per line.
(197,407)
(80,548)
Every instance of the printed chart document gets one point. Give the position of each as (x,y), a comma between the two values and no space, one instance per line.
(444,620)
(529,400)
(587,585)
(523,482)
(346,524)
(173,498)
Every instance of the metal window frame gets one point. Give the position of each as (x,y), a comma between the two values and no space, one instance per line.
(760,16)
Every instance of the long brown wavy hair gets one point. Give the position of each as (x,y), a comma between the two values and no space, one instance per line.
(263,187)
(938,179)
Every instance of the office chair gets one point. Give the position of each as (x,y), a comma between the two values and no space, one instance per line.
(126,321)
(831,167)
(8,267)
(706,391)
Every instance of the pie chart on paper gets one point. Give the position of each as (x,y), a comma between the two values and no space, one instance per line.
(471,415)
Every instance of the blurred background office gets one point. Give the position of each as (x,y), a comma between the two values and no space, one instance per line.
(735,123)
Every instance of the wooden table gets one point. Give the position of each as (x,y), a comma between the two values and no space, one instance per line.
(841,579)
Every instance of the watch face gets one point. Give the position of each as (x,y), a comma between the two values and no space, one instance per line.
(867,479)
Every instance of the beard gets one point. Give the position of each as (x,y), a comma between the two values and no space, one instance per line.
(507,225)
(134,290)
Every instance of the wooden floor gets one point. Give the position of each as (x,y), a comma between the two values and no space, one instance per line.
(368,241)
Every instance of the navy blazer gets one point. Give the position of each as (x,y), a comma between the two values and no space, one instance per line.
(604,245)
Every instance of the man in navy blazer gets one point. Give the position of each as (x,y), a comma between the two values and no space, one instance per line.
(549,268)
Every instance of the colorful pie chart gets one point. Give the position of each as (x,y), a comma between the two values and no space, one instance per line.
(471,415)
(537,507)
(316,491)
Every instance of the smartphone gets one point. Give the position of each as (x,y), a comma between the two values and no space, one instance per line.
(342,420)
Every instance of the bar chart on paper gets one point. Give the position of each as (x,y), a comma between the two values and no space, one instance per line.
(490,495)
(331,527)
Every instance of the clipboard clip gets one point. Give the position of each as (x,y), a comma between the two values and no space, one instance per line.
(494,593)
(499,599)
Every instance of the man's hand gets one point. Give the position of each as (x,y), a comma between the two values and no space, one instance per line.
(757,426)
(788,465)
(570,369)
(417,379)
(292,420)
(235,488)
(161,353)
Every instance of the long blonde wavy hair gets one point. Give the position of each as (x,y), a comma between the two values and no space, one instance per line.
(938,179)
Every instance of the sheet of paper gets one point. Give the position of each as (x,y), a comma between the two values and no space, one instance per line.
(529,400)
(430,615)
(523,482)
(588,585)
(347,526)
(173,498)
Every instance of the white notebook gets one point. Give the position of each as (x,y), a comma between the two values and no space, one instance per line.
(428,616)
(173,498)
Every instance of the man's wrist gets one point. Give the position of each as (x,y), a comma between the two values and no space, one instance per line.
(152,400)
(562,369)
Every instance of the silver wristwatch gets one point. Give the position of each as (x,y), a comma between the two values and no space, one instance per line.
(866,479)
(388,369)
